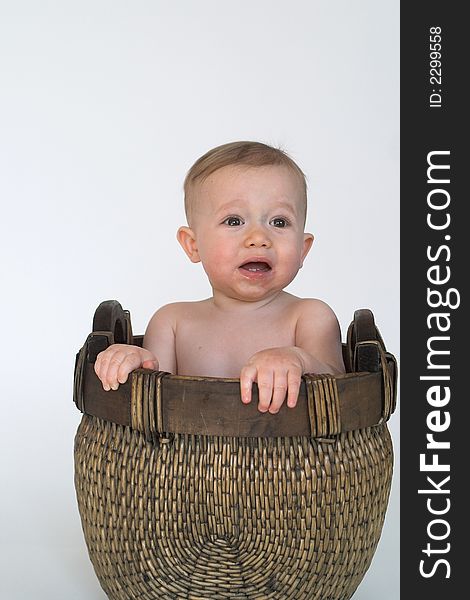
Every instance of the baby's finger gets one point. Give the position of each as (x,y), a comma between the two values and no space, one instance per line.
(101,367)
(294,379)
(265,389)
(150,364)
(128,364)
(279,392)
(114,364)
(97,365)
(247,376)
(101,359)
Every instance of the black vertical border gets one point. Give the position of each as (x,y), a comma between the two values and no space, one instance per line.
(425,129)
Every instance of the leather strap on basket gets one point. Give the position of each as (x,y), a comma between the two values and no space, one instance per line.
(158,404)
(388,405)
(94,344)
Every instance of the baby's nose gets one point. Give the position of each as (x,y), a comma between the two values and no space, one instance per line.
(258,237)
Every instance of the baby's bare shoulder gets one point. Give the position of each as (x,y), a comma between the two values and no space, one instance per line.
(312,309)
(316,319)
(174,312)
(316,315)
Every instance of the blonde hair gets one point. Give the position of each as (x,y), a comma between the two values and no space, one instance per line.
(250,154)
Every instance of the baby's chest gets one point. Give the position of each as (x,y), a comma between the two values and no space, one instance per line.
(221,349)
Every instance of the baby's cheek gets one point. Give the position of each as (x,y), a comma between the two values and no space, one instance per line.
(217,266)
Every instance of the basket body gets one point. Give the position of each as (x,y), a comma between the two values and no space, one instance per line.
(222,517)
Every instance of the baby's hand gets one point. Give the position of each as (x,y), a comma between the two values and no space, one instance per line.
(114,364)
(278,372)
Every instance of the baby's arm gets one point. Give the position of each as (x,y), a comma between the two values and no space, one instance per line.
(114,364)
(160,336)
(278,371)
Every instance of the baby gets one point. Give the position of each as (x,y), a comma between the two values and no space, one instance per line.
(246,207)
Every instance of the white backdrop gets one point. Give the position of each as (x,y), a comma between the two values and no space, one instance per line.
(104,106)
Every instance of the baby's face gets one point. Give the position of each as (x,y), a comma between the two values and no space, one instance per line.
(248,224)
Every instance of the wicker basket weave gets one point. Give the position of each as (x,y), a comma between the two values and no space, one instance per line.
(209,516)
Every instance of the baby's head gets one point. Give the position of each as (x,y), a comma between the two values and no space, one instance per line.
(244,155)
(246,206)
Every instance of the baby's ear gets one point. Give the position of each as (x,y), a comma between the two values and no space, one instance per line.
(308,241)
(187,238)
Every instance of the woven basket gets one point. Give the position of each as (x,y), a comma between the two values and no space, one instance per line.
(210,516)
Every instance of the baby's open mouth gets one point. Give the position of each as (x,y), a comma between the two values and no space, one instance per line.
(256,267)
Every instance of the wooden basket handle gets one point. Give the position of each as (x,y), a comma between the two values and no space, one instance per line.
(364,341)
(110,316)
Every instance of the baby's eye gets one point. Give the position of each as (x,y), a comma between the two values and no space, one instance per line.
(279,222)
(233,221)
